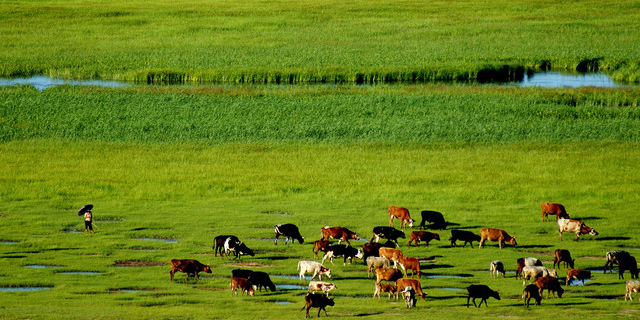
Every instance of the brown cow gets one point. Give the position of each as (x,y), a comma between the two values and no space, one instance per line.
(417,236)
(406,282)
(576,226)
(564,256)
(411,263)
(188,266)
(554,209)
(243,284)
(388,274)
(340,233)
(551,284)
(577,274)
(320,245)
(319,301)
(493,234)
(392,254)
(531,291)
(401,214)
(384,287)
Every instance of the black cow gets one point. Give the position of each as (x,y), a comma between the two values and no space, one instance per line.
(466,236)
(256,278)
(319,301)
(218,243)
(480,291)
(389,233)
(289,232)
(188,266)
(372,249)
(341,250)
(435,218)
(627,263)
(237,247)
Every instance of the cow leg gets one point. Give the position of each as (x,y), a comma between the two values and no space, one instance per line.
(474,302)
(468,297)
(276,240)
(481,243)
(171,273)
(197,278)
(560,235)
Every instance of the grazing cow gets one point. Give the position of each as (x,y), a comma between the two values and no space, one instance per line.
(551,284)
(535,272)
(243,284)
(384,287)
(340,250)
(218,243)
(340,233)
(319,245)
(314,267)
(394,255)
(325,287)
(317,301)
(389,233)
(406,282)
(554,209)
(480,291)
(466,236)
(237,247)
(241,273)
(575,226)
(372,249)
(628,263)
(614,257)
(632,286)
(526,262)
(496,268)
(577,274)
(564,256)
(409,296)
(375,263)
(289,232)
(493,234)
(417,236)
(401,214)
(388,274)
(411,263)
(435,218)
(531,291)
(188,266)
(262,279)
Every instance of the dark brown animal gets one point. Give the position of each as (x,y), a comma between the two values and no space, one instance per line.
(312,300)
(411,263)
(564,256)
(384,287)
(406,282)
(243,284)
(614,257)
(494,234)
(320,245)
(435,218)
(340,233)
(551,284)
(417,236)
(388,274)
(554,209)
(577,274)
(466,236)
(401,214)
(188,266)
(373,248)
(480,291)
(531,291)
(628,263)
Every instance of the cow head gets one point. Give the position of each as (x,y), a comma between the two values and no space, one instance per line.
(359,254)
(325,271)
(587,230)
(410,222)
(495,294)
(206,269)
(512,240)
(354,236)
(300,239)
(436,236)
(243,249)
(560,292)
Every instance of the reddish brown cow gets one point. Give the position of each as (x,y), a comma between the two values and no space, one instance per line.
(316,301)
(554,209)
(340,233)
(243,284)
(551,284)
(384,287)
(411,263)
(577,274)
(388,274)
(494,234)
(188,266)
(320,245)
(406,282)
(392,254)
(531,291)
(417,236)
(401,214)
(564,256)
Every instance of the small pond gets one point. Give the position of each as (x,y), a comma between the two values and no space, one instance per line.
(23,289)
(43,82)
(41,266)
(80,272)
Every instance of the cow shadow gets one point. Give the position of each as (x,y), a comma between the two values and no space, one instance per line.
(611,238)
(590,218)
(467,227)
(535,246)
(435,266)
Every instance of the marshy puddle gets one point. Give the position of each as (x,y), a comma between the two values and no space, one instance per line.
(448,288)
(80,272)
(23,289)
(41,82)
(561,80)
(574,282)
(283,302)
(8,242)
(291,287)
(41,266)
(296,277)
(166,240)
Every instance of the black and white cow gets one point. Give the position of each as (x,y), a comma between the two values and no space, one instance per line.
(289,232)
(341,250)
(390,233)
(237,247)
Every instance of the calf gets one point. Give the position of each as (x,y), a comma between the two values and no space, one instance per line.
(376,263)
(554,209)
(577,274)
(435,218)
(480,291)
(340,233)
(218,243)
(384,287)
(531,291)
(401,214)
(563,256)
(417,236)
(632,286)
(243,284)
(494,234)
(389,233)
(409,296)
(289,232)
(535,272)
(325,287)
(628,263)
(574,226)
(496,268)
(411,263)
(188,266)
(551,284)
(388,274)
(316,301)
(394,255)
(405,282)
(314,267)
(320,245)
(614,257)
(340,250)
(237,247)
(526,262)
(466,236)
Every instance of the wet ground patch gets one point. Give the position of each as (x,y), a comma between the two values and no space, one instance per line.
(160,239)
(133,290)
(146,248)
(80,272)
(42,266)
(138,263)
(24,289)
(454,276)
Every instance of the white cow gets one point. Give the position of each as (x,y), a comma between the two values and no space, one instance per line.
(535,272)
(325,287)
(574,226)
(314,267)
(632,286)
(375,263)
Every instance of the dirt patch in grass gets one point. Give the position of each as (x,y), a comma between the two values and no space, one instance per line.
(138,263)
(593,258)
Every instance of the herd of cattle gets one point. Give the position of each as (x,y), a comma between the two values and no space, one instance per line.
(390,266)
